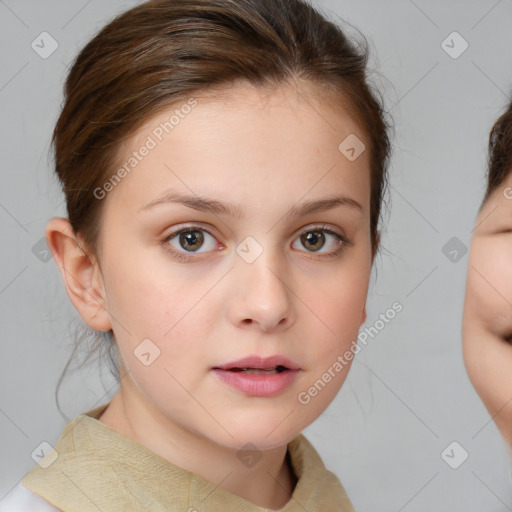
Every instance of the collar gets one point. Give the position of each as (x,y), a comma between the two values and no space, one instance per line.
(98,468)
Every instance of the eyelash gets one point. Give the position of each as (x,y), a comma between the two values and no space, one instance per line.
(345,242)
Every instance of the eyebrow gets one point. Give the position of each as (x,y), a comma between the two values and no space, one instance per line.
(220,208)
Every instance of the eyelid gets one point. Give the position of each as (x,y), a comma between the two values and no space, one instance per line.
(191,227)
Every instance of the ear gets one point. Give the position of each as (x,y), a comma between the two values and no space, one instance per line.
(363,316)
(81,274)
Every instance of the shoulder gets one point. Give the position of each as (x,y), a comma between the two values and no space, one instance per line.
(21,499)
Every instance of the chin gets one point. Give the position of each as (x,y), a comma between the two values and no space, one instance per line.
(265,435)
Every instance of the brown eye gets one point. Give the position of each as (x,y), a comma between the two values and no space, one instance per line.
(314,239)
(318,238)
(191,240)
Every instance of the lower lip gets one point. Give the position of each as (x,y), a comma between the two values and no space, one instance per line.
(258,384)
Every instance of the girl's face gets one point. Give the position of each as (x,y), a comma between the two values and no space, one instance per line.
(487,320)
(273,264)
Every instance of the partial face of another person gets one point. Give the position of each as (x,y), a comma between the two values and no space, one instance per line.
(244,231)
(487,319)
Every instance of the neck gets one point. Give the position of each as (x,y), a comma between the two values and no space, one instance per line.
(269,483)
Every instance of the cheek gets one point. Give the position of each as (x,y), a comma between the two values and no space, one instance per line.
(489,284)
(166,305)
(338,303)
(176,316)
(147,290)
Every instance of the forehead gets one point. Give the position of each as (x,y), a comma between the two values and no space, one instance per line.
(320,104)
(247,141)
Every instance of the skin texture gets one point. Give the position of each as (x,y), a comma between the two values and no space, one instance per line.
(266,151)
(487,319)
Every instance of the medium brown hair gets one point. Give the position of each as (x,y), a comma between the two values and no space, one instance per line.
(165,51)
(500,153)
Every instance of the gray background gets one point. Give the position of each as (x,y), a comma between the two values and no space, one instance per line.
(407,396)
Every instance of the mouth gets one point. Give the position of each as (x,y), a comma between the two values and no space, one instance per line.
(259,377)
(257,364)
(276,369)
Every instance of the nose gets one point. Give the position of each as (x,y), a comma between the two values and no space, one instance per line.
(262,296)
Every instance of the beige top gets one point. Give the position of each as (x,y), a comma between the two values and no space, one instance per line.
(98,468)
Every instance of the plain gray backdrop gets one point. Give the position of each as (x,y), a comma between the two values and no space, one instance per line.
(407,397)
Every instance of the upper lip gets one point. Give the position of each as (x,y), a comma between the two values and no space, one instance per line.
(261,363)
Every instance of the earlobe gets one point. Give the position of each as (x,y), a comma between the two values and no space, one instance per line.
(80,272)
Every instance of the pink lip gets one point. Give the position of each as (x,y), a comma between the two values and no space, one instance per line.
(259,384)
